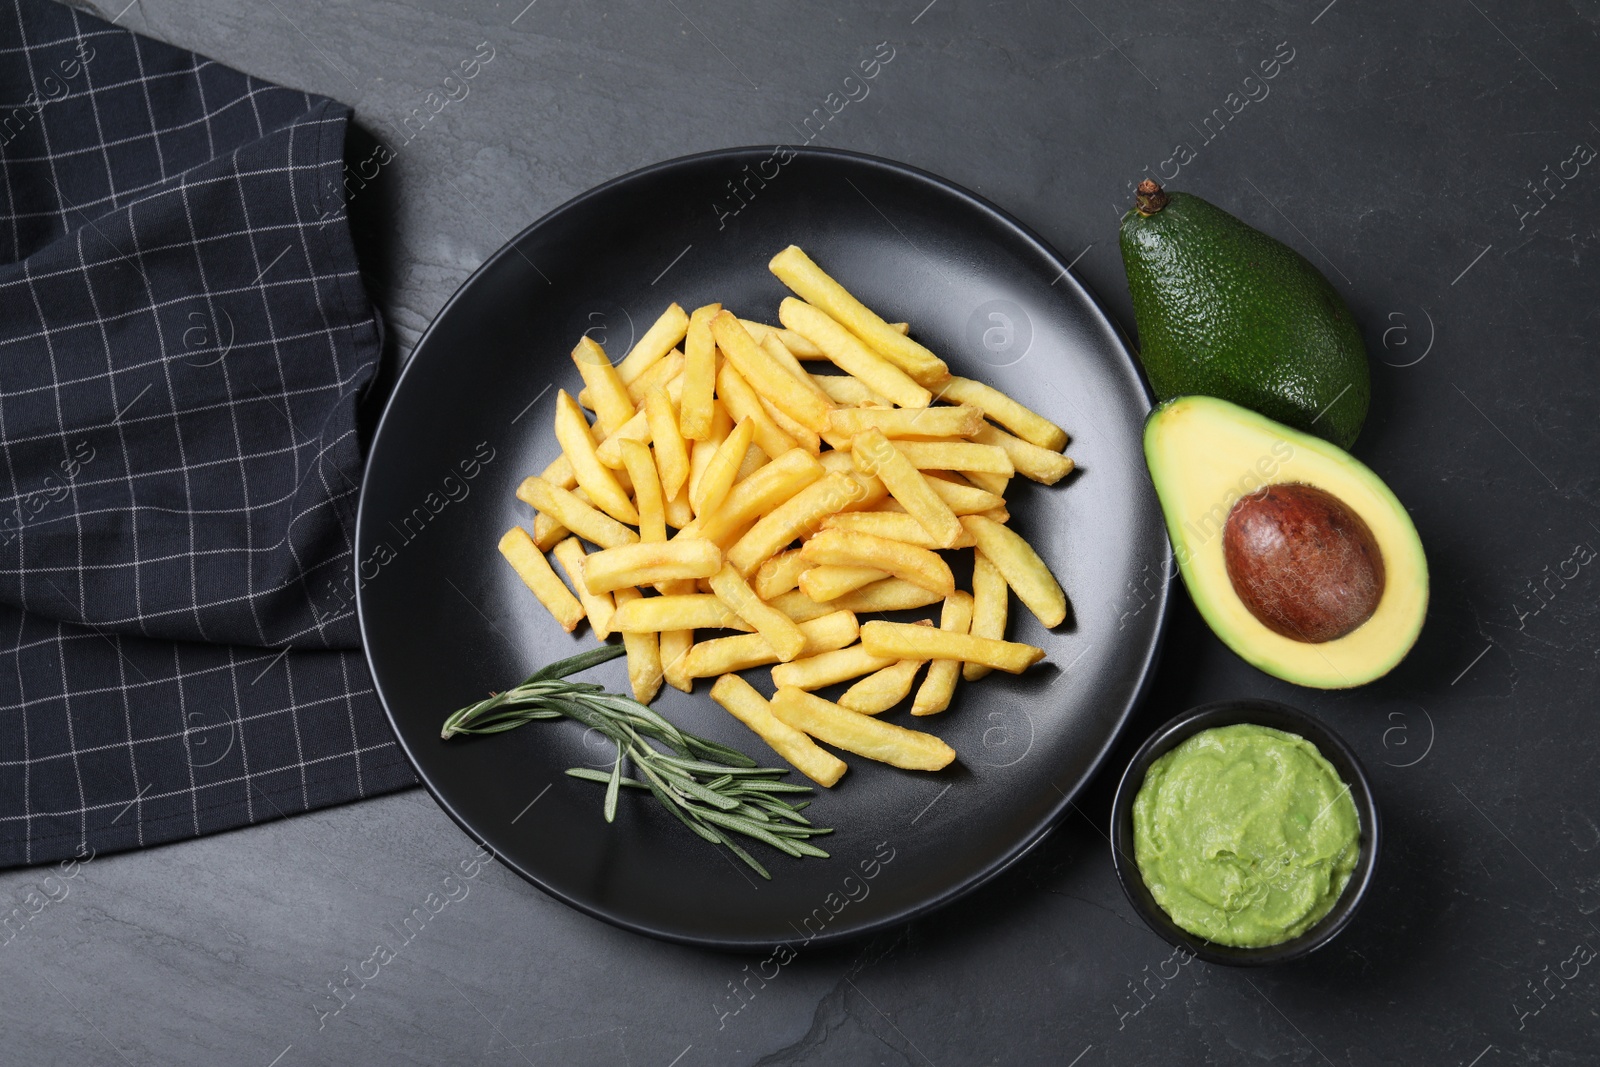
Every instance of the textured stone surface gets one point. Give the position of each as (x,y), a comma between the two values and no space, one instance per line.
(1394,149)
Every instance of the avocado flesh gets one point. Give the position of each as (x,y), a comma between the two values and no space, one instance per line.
(1204,455)
(1225,310)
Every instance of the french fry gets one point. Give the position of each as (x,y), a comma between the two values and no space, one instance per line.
(572,430)
(804,403)
(659,375)
(684,611)
(938,421)
(647,497)
(1025,423)
(957,456)
(662,337)
(849,548)
(701,451)
(644,652)
(672,455)
(780,631)
(875,454)
(635,429)
(699,374)
(800,607)
(779,574)
(799,514)
(611,403)
(679,511)
(534,570)
(828,668)
(881,690)
(890,594)
(646,563)
(778,481)
(772,346)
(897,640)
(723,655)
(675,645)
(565,508)
(796,270)
(1030,461)
(847,352)
(546,532)
(990,604)
(743,402)
(893,525)
(847,390)
(963,499)
(752,709)
(823,584)
(1022,568)
(801,348)
(754,459)
(990,483)
(863,735)
(723,468)
(600,607)
(940,684)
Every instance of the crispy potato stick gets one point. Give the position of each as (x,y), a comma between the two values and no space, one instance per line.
(881,690)
(806,405)
(890,594)
(903,641)
(751,708)
(779,630)
(829,583)
(1030,461)
(875,454)
(796,270)
(679,511)
(796,344)
(849,391)
(989,483)
(679,611)
(798,515)
(646,562)
(644,653)
(957,456)
(546,532)
(723,655)
(612,405)
(646,490)
(675,645)
(534,570)
(572,430)
(1024,571)
(846,351)
(861,734)
(662,337)
(635,429)
(701,451)
(827,668)
(600,608)
(754,460)
(1026,424)
(849,548)
(559,473)
(990,602)
(722,469)
(779,574)
(659,376)
(893,525)
(801,435)
(574,514)
(742,402)
(963,499)
(940,684)
(699,374)
(938,421)
(800,607)
(772,346)
(778,481)
(672,455)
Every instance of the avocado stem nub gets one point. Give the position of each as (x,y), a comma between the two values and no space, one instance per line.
(1149,198)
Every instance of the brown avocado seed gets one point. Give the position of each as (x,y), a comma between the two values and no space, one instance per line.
(1302,562)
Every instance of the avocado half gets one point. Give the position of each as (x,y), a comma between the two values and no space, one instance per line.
(1206,455)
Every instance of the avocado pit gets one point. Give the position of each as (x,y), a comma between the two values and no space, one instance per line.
(1303,563)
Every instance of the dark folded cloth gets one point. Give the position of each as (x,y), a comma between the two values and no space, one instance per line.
(183,340)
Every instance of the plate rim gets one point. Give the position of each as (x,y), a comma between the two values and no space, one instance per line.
(976,878)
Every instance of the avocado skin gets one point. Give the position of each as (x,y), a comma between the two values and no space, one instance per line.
(1224,310)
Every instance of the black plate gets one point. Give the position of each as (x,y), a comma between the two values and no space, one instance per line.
(445,620)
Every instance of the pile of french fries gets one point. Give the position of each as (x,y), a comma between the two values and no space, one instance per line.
(726,487)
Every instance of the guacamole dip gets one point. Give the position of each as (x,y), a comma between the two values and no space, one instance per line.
(1245,835)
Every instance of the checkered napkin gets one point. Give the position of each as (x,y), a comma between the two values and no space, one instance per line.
(183,339)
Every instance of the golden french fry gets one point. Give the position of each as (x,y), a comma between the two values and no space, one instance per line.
(723,655)
(600,607)
(662,337)
(894,526)
(938,421)
(801,348)
(849,548)
(847,390)
(699,374)
(701,451)
(940,684)
(963,499)
(534,570)
(990,603)
(765,489)
(827,668)
(1030,461)
(800,607)
(796,270)
(779,574)
(659,375)
(647,497)
(823,583)
(780,631)
(989,483)
(799,514)
(743,402)
(1024,571)
(679,511)
(772,346)
(806,405)
(611,403)
(897,640)
(847,352)
(861,734)
(576,515)
(647,562)
(890,594)
(801,435)
(875,454)
(644,653)
(546,532)
(723,468)
(752,709)
(754,459)
(682,611)
(675,645)
(572,430)
(881,690)
(1025,423)
(672,455)
(960,456)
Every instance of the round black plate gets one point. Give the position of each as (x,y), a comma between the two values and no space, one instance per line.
(446,621)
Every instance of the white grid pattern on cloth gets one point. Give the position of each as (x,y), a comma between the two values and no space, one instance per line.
(163,198)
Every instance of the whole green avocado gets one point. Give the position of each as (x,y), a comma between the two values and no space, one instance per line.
(1224,310)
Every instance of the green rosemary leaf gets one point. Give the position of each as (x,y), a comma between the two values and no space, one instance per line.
(580,662)
(589,774)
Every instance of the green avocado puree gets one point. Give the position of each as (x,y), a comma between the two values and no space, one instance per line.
(1245,835)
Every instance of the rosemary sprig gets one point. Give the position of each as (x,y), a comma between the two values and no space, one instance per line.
(713,789)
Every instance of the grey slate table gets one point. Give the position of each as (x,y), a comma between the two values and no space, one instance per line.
(1423,155)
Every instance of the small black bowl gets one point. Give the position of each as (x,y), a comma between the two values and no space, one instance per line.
(1278,717)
